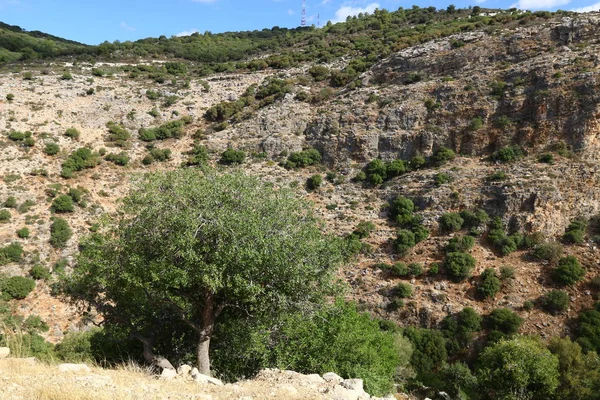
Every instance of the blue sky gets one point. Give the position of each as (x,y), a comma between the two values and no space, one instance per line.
(94,21)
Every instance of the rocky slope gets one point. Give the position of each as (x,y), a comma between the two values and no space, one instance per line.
(474,92)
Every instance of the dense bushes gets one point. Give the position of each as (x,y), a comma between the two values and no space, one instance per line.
(490,284)
(411,230)
(303,159)
(460,244)
(63,204)
(555,301)
(60,233)
(171,129)
(568,272)
(16,287)
(121,158)
(79,160)
(575,232)
(450,222)
(11,253)
(117,134)
(459,265)
(232,156)
(314,182)
(504,320)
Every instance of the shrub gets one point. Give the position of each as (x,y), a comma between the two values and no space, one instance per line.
(363,229)
(461,243)
(38,272)
(575,232)
(23,233)
(588,329)
(11,253)
(198,155)
(51,148)
(474,219)
(66,76)
(73,133)
(18,287)
(117,134)
(546,158)
(401,207)
(498,238)
(63,204)
(360,177)
(5,215)
(171,129)
(60,233)
(77,347)
(476,124)
(507,272)
(421,233)
(402,290)
(507,154)
(429,349)
(159,155)
(459,265)
(10,202)
(303,159)
(434,269)
(441,178)
(79,160)
(497,176)
(555,301)
(319,73)
(450,222)
(399,269)
(568,272)
(121,159)
(415,269)
(10,97)
(417,162)
(443,155)
(490,284)
(232,156)
(548,251)
(504,320)
(314,182)
(405,241)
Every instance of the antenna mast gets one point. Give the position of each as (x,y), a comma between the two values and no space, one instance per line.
(303,20)
(318,20)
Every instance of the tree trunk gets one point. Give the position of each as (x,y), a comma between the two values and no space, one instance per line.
(203,355)
(150,357)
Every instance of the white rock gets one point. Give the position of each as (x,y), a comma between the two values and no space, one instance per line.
(168,374)
(341,393)
(4,352)
(353,384)
(73,368)
(201,378)
(184,370)
(332,377)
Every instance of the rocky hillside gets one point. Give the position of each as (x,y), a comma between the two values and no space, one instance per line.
(517,104)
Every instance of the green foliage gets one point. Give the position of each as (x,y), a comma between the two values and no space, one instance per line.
(507,272)
(23,233)
(60,233)
(66,76)
(51,148)
(5,215)
(489,285)
(503,243)
(401,208)
(588,329)
(121,158)
(458,379)
(476,124)
(10,202)
(77,347)
(405,240)
(429,349)
(460,329)
(303,159)
(441,179)
(363,229)
(197,156)
(319,73)
(443,155)
(568,272)
(575,232)
(555,301)
(38,272)
(314,182)
(474,219)
(546,158)
(10,97)
(450,222)
(80,159)
(260,252)
(497,88)
(11,253)
(507,154)
(402,290)
(551,251)
(460,243)
(459,265)
(504,320)
(232,156)
(519,368)
(415,269)
(23,138)
(17,287)
(73,133)
(63,204)
(117,134)
(497,176)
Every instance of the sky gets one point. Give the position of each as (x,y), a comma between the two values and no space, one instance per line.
(96,21)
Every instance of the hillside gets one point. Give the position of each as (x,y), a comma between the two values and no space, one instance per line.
(485,127)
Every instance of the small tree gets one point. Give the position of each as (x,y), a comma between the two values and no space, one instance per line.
(63,204)
(191,249)
(60,233)
(450,222)
(490,284)
(568,272)
(459,265)
(555,301)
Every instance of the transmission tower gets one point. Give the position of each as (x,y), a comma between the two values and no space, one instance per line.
(318,20)
(303,20)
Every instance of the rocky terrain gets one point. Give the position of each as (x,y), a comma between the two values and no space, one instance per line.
(475,92)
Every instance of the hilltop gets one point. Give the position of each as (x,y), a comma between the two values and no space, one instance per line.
(432,127)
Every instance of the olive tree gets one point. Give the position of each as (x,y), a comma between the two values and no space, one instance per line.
(187,245)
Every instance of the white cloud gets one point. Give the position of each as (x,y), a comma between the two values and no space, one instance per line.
(291,12)
(342,13)
(538,4)
(593,7)
(187,33)
(126,27)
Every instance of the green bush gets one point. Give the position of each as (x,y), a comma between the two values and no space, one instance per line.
(60,233)
(546,158)
(443,155)
(588,329)
(76,347)
(10,202)
(10,97)
(314,182)
(80,159)
(319,73)
(507,154)
(434,269)
(23,233)
(66,76)
(63,204)
(363,229)
(171,129)
(459,265)
(417,162)
(399,269)
(303,159)
(499,239)
(51,148)
(18,287)
(551,251)
(575,232)
(117,134)
(121,158)
(401,207)
(5,215)
(568,272)
(429,350)
(490,284)
(38,272)
(402,290)
(11,253)
(504,320)
(497,176)
(198,155)
(474,219)
(405,241)
(415,269)
(73,133)
(450,222)
(441,179)
(507,272)
(460,243)
(555,301)
(232,156)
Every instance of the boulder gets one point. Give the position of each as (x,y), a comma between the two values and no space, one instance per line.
(4,352)
(73,368)
(353,384)
(333,378)
(184,370)
(201,378)
(168,374)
